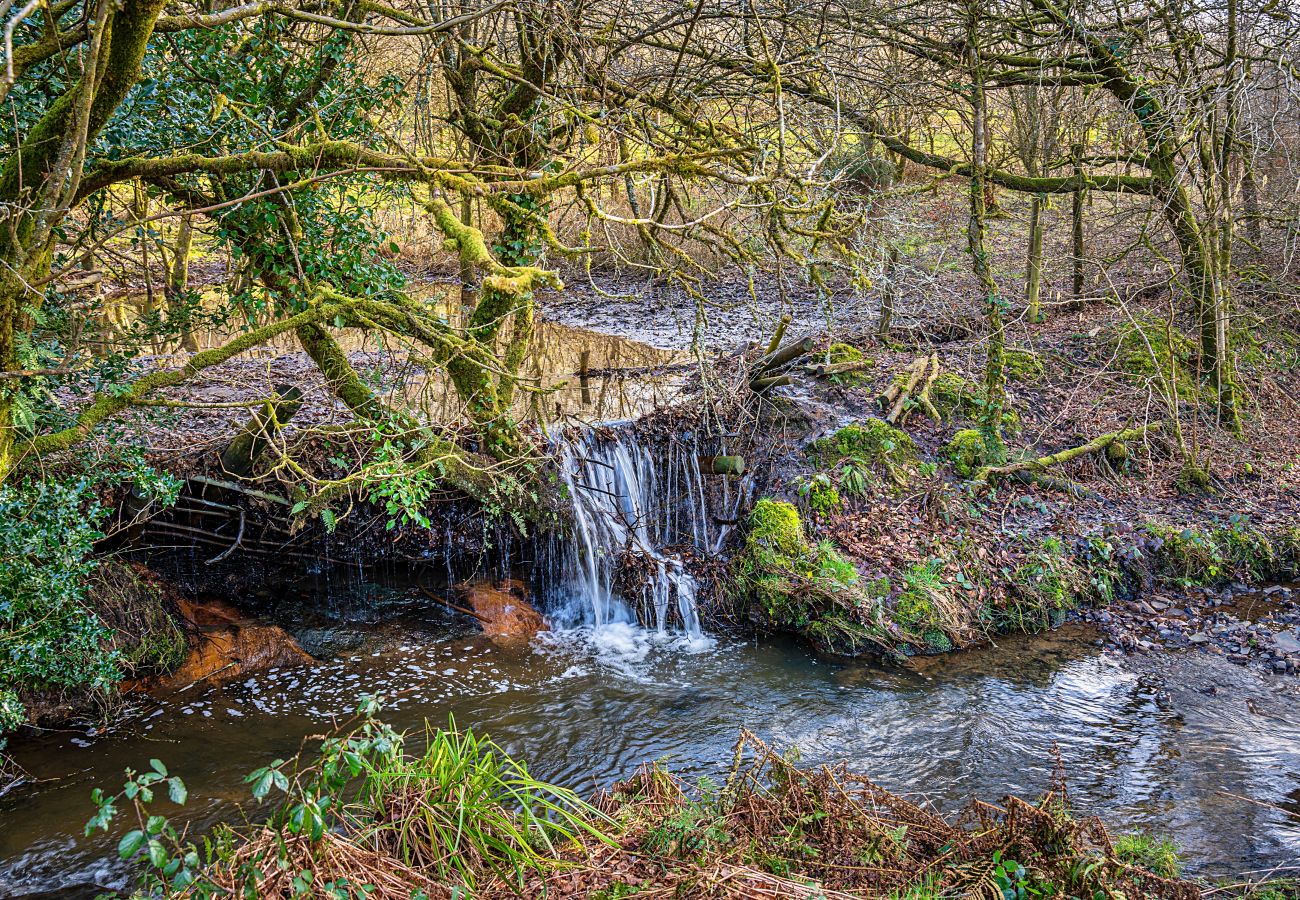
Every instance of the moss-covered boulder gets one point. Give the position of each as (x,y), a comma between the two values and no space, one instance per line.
(1148,349)
(873,445)
(966,451)
(1024,365)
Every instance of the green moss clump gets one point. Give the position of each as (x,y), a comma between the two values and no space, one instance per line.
(1148,349)
(920,606)
(1024,365)
(874,445)
(797,585)
(839,353)
(966,451)
(1158,856)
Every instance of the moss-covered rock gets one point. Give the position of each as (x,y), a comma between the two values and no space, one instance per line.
(966,452)
(872,444)
(1024,365)
(955,397)
(841,353)
(795,585)
(1148,348)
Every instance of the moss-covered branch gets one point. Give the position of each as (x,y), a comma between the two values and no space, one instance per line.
(106,405)
(1043,463)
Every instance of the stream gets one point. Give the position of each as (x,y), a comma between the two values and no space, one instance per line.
(1188,746)
(1219,772)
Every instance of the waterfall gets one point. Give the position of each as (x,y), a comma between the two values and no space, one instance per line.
(629,502)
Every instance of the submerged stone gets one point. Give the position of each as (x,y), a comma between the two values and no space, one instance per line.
(503,610)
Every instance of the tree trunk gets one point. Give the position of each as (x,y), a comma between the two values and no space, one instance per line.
(1076,218)
(1034,274)
(995,375)
(178,281)
(888,293)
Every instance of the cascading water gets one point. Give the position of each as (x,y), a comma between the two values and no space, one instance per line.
(630,498)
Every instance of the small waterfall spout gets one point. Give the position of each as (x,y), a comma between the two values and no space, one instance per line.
(630,502)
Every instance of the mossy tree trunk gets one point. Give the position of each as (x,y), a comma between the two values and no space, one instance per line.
(1034,261)
(39,180)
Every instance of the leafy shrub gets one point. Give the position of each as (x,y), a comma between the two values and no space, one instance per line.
(49,638)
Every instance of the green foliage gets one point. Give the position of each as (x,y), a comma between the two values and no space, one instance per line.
(1044,587)
(465,808)
(966,452)
(53,636)
(1194,557)
(955,397)
(820,493)
(869,446)
(49,638)
(1158,856)
(173,865)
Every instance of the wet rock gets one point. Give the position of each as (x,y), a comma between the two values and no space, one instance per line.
(1287,642)
(503,610)
(225,645)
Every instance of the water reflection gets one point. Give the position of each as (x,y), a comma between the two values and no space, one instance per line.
(586,706)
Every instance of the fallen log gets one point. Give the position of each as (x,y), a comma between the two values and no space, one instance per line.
(782,356)
(722,465)
(1043,463)
(241,454)
(825,370)
(896,397)
(758,385)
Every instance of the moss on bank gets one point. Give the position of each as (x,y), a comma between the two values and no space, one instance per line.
(871,447)
(791,584)
(958,598)
(1201,557)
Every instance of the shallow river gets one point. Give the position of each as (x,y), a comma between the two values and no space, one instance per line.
(1190,747)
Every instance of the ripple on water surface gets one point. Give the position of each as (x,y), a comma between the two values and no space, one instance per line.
(1180,753)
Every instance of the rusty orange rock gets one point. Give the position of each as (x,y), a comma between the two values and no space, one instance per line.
(503,610)
(225,645)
